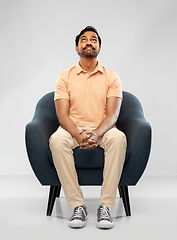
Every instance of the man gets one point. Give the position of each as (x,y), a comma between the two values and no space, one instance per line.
(88,99)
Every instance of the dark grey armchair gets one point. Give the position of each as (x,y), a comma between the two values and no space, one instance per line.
(131,121)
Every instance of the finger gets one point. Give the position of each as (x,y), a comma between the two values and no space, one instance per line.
(91,132)
(94,134)
(88,131)
(89,146)
(90,141)
(93,139)
(81,131)
(89,135)
(84,139)
(92,146)
(84,144)
(83,147)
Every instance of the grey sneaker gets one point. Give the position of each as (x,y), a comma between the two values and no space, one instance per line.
(104,219)
(79,217)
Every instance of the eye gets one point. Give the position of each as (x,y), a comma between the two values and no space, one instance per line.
(94,40)
(83,39)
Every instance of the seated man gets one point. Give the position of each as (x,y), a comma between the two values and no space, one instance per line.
(88,98)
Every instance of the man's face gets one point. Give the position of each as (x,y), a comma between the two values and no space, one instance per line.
(88,45)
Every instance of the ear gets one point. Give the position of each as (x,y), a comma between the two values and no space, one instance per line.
(76,48)
(99,49)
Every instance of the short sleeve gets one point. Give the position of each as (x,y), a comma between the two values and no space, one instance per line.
(115,86)
(61,90)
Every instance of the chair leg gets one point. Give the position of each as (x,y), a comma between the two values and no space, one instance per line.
(54,192)
(120,191)
(58,191)
(123,190)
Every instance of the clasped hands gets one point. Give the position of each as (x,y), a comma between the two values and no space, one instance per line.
(88,139)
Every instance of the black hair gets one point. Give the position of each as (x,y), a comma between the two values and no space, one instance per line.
(86,29)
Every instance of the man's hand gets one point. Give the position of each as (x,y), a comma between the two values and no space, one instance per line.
(82,137)
(89,139)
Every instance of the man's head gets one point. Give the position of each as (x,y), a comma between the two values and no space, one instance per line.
(88,43)
(87,29)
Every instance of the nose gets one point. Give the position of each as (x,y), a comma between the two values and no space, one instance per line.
(88,41)
(89,45)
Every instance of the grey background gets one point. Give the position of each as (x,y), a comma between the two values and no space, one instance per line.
(37,42)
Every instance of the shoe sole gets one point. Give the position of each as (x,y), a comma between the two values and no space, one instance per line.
(105,224)
(77,224)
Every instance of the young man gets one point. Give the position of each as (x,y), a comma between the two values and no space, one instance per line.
(88,99)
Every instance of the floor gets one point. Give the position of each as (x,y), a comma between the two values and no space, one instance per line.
(23,206)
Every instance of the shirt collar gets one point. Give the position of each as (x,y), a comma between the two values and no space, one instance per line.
(98,68)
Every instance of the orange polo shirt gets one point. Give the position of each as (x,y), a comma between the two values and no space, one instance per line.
(87,93)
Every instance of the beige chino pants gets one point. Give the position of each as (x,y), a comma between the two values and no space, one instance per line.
(114,144)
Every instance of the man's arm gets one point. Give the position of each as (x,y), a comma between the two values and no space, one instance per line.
(113,106)
(62,110)
(112,112)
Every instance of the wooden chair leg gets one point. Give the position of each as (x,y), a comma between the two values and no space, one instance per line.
(54,192)
(123,190)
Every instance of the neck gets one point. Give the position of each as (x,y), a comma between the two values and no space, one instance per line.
(88,64)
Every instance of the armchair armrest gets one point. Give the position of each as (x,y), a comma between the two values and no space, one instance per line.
(138,133)
(37,134)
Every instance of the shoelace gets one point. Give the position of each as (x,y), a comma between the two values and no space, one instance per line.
(78,212)
(104,212)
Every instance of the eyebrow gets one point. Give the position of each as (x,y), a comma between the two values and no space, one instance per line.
(86,36)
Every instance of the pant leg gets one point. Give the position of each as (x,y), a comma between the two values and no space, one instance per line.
(114,144)
(62,145)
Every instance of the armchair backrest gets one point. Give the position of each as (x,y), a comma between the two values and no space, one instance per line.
(45,108)
(131,108)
